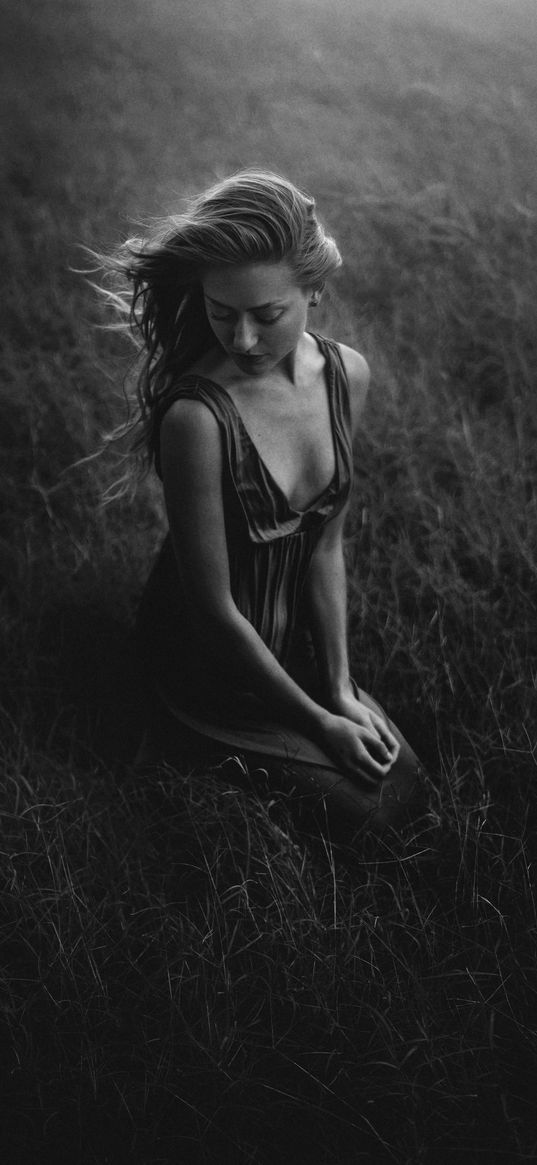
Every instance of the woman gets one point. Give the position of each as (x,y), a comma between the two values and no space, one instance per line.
(249,419)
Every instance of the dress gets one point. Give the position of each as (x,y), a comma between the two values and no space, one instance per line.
(270,547)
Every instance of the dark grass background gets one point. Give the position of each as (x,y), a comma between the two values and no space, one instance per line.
(184,977)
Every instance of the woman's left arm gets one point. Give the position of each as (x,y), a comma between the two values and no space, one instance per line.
(326,591)
(326,600)
(326,584)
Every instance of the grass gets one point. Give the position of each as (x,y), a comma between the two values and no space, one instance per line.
(186,977)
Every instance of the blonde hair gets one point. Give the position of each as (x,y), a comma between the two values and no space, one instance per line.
(252,216)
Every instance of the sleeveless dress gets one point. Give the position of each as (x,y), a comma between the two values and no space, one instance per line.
(270,546)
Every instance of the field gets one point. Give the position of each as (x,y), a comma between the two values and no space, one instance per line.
(184,976)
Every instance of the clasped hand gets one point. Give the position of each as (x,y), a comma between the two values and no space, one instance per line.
(359,739)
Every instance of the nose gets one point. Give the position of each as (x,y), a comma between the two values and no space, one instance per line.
(244,335)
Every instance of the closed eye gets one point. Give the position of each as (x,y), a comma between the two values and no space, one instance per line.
(267,320)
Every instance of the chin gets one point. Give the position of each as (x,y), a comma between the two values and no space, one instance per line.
(250,363)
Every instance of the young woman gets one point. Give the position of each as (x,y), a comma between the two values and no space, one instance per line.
(249,418)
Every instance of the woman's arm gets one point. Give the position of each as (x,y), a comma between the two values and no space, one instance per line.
(192,466)
(327,584)
(326,593)
(326,599)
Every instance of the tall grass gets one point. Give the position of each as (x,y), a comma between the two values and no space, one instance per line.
(185,976)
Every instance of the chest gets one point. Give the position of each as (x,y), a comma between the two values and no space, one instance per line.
(294,439)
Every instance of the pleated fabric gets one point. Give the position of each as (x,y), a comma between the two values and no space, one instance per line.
(270,546)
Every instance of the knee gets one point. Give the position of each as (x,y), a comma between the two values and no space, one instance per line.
(402,798)
(398,801)
(347,808)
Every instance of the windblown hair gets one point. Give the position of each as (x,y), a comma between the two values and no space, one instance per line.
(250,217)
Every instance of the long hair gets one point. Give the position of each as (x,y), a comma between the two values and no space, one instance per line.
(155,282)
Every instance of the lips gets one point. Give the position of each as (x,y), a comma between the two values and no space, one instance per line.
(247,361)
(245,356)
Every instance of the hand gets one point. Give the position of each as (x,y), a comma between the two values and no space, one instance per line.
(358,737)
(356,749)
(348,705)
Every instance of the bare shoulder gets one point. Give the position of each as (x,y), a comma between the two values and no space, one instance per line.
(356,367)
(189,436)
(189,416)
(358,376)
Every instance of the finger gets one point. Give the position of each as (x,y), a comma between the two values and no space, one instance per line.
(392,746)
(370,763)
(376,746)
(389,739)
(365,771)
(378,750)
(374,724)
(374,768)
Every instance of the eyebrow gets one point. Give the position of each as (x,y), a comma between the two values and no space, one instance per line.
(258,307)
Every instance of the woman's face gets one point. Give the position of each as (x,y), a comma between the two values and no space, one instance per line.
(257,313)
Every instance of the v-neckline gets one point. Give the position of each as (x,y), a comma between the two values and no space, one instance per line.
(328,373)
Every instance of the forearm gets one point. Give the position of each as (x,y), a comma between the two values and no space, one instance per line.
(327,610)
(355,741)
(232,637)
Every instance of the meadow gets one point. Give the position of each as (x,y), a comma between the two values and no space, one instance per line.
(185,977)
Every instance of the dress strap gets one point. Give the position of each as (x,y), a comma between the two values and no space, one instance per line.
(341,403)
(265,507)
(332,352)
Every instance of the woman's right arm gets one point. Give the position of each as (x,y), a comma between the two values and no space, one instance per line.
(192,467)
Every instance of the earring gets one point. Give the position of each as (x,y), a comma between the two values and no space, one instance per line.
(314,299)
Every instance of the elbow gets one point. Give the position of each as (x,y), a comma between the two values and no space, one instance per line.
(206,598)
(216,617)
